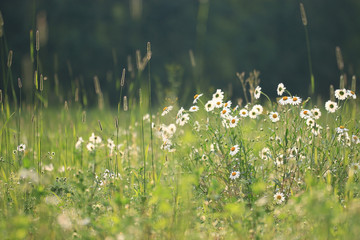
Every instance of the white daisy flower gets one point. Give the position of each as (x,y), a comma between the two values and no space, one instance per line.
(356,167)
(166,110)
(285,100)
(274,116)
(305,113)
(180,112)
(234,150)
(316,129)
(331,106)
(225,113)
(90,147)
(253,113)
(183,119)
(295,100)
(218,95)
(341,94)
(209,106)
(351,94)
(228,104)
(316,113)
(79,143)
(21,147)
(258,108)
(218,103)
(341,129)
(171,129)
(244,112)
(355,139)
(265,153)
(310,122)
(279,160)
(344,138)
(234,175)
(95,139)
(280,89)
(196,97)
(257,92)
(197,126)
(110,144)
(279,197)
(233,121)
(193,109)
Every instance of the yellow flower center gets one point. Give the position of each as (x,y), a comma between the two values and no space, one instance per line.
(218,103)
(194,108)
(285,98)
(233,173)
(196,95)
(223,111)
(226,104)
(352,92)
(233,121)
(295,99)
(164,109)
(278,197)
(274,115)
(232,149)
(341,127)
(306,112)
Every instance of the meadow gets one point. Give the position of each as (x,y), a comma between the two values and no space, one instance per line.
(214,168)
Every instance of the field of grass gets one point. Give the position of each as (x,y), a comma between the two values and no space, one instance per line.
(270,169)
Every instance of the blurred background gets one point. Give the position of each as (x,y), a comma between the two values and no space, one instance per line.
(81,39)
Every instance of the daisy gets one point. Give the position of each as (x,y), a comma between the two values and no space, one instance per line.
(355,167)
(341,129)
(279,197)
(233,121)
(257,92)
(183,119)
(280,89)
(225,113)
(305,113)
(310,122)
(341,94)
(244,113)
(274,116)
(351,94)
(279,160)
(94,139)
(193,109)
(331,106)
(90,147)
(253,113)
(228,104)
(295,100)
(21,147)
(355,139)
(110,144)
(218,103)
(171,128)
(197,126)
(316,113)
(204,157)
(284,100)
(344,138)
(209,106)
(180,112)
(265,153)
(234,150)
(316,129)
(218,95)
(166,110)
(234,175)
(258,108)
(196,97)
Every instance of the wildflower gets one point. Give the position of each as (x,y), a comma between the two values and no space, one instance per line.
(265,153)
(280,89)
(305,113)
(21,147)
(258,108)
(166,110)
(234,175)
(171,129)
(279,160)
(244,113)
(204,157)
(196,97)
(253,113)
(279,197)
(225,113)
(193,109)
(351,94)
(274,116)
(331,106)
(197,126)
(95,139)
(355,139)
(344,138)
(310,122)
(295,100)
(218,95)
(316,129)
(49,168)
(234,150)
(183,119)
(233,121)
(284,100)
(316,113)
(257,92)
(180,112)
(355,167)
(79,143)
(228,104)
(341,129)
(110,144)
(209,106)
(235,108)
(340,94)
(90,147)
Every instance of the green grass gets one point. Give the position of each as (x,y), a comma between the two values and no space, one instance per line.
(55,190)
